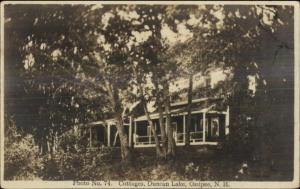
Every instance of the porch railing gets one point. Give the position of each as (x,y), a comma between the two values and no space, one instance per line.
(179,138)
(196,136)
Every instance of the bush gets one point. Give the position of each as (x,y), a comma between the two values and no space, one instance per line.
(23,162)
(21,159)
(76,165)
(191,170)
(74,139)
(239,142)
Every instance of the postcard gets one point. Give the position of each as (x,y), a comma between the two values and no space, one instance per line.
(150,94)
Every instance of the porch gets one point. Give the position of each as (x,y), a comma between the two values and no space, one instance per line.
(207,128)
(105,133)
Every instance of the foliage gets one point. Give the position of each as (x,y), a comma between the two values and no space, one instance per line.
(85,67)
(43,73)
(23,161)
(76,138)
(240,142)
(191,170)
(20,154)
(259,52)
(79,165)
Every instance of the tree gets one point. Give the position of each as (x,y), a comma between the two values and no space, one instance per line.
(153,62)
(197,54)
(40,81)
(69,55)
(257,54)
(183,57)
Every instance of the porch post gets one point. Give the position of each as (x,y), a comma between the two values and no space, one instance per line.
(130,131)
(90,136)
(150,135)
(108,135)
(227,121)
(184,134)
(204,121)
(134,136)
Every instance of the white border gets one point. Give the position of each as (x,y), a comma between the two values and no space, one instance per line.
(115,184)
(159,2)
(2,96)
(297,96)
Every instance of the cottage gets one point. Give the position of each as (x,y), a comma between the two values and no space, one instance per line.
(209,125)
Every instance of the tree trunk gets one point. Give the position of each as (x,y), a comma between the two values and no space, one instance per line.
(150,122)
(171,142)
(41,146)
(189,111)
(162,126)
(164,139)
(115,139)
(48,146)
(126,152)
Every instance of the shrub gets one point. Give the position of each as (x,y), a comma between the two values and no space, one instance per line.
(76,164)
(23,162)
(160,172)
(240,139)
(191,170)
(49,169)
(21,159)
(73,139)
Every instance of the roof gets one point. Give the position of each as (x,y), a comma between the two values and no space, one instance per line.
(179,108)
(199,105)
(186,102)
(106,122)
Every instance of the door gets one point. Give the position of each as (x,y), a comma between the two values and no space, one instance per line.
(214,128)
(174,126)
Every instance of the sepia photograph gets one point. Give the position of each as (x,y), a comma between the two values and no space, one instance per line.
(149,94)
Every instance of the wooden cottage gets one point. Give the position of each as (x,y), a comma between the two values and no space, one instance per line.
(209,125)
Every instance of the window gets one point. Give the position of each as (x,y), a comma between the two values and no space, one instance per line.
(197,123)
(174,126)
(215,127)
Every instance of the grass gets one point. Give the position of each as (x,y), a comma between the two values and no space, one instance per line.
(198,163)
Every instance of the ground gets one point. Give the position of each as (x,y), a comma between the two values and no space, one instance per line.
(200,163)
(197,163)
